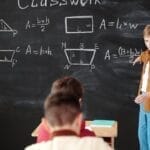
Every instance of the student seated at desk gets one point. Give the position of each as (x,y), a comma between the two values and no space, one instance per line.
(63,116)
(44,134)
(69,85)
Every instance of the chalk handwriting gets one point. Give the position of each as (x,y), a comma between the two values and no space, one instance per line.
(122,53)
(7,56)
(22,4)
(40,52)
(85,24)
(41,23)
(117,24)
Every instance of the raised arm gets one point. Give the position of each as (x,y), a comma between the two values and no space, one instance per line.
(136,60)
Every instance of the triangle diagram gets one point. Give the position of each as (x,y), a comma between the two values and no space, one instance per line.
(4,26)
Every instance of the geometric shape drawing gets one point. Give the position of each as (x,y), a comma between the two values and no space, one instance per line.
(4,27)
(7,56)
(79,24)
(80,56)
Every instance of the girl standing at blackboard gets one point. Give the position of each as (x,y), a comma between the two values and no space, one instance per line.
(144,94)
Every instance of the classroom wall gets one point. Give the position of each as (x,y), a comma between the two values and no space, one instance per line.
(92,40)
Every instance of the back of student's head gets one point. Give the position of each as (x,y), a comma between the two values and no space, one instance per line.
(146,31)
(67,85)
(61,109)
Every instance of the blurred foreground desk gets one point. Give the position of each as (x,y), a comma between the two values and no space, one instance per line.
(109,133)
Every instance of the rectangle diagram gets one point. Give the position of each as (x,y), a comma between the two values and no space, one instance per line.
(79,24)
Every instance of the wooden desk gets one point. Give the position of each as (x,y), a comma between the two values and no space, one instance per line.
(105,132)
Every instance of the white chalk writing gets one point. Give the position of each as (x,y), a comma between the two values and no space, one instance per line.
(7,56)
(40,52)
(22,4)
(122,52)
(42,23)
(117,24)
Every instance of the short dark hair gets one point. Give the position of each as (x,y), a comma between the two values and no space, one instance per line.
(61,109)
(68,85)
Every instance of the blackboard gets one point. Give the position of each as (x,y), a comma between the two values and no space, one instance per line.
(92,40)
